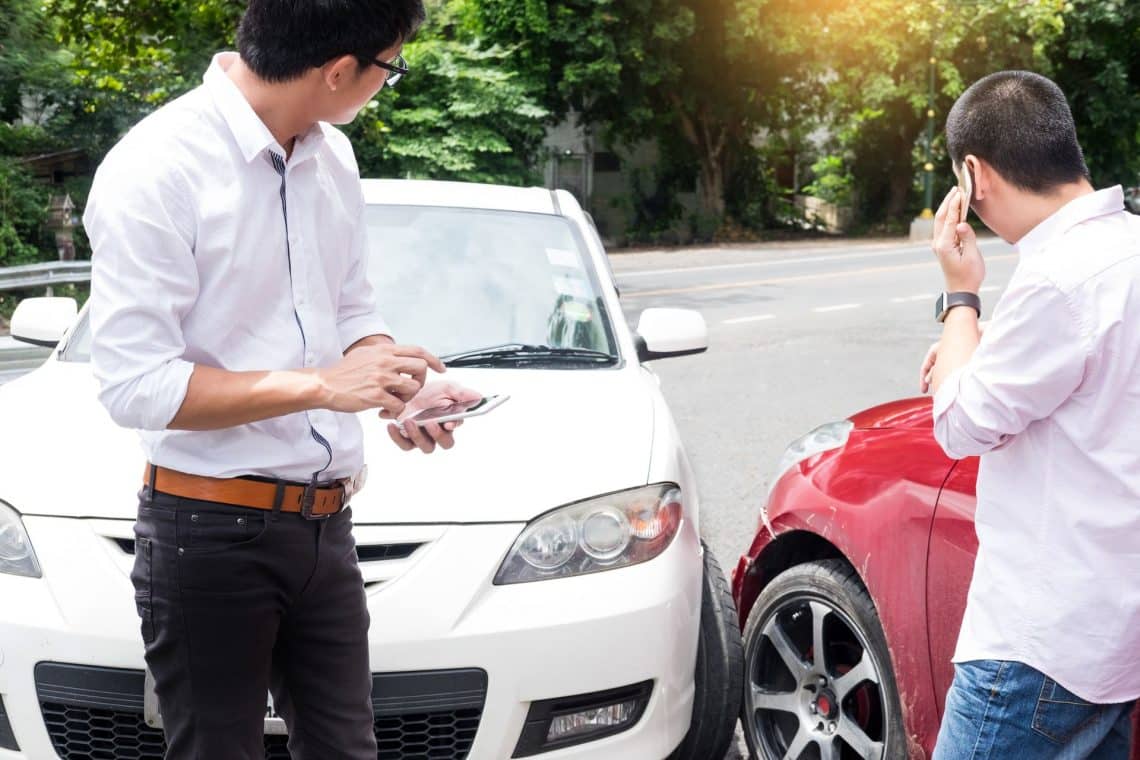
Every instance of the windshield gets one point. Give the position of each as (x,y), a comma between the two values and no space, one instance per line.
(456,280)
(459,280)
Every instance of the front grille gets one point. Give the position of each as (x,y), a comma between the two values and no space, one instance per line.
(95,714)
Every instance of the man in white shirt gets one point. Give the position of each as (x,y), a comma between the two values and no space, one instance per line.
(1048,658)
(233,325)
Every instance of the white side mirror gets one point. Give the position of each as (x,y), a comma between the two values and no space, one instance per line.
(670,332)
(43,321)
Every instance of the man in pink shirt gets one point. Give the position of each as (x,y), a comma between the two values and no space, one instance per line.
(1048,658)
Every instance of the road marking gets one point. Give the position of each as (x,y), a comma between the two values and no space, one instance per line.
(794,278)
(742,320)
(840,307)
(872,253)
(919,297)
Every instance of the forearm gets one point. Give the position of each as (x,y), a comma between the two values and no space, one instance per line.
(371,340)
(960,338)
(217,398)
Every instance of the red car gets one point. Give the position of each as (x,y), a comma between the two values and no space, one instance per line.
(853,590)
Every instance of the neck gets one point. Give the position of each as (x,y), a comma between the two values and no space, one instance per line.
(280,106)
(1038,208)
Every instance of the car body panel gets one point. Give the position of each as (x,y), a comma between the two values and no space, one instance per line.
(901,513)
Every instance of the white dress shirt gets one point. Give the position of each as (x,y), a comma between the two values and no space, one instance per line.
(1051,399)
(205,254)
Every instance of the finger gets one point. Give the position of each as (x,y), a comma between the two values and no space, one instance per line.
(419,352)
(399,439)
(388,404)
(966,234)
(405,388)
(940,215)
(412,368)
(442,437)
(945,242)
(420,438)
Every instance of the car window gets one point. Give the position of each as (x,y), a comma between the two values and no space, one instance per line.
(78,345)
(456,280)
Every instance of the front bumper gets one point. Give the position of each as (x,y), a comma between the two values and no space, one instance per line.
(433,608)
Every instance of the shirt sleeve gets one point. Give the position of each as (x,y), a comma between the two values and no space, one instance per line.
(356,315)
(1032,358)
(143,282)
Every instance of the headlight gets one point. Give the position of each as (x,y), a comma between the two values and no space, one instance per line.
(16,555)
(827,437)
(605,533)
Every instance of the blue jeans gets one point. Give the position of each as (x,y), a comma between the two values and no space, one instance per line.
(1007,710)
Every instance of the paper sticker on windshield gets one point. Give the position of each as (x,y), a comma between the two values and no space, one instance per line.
(571,286)
(577,311)
(560,257)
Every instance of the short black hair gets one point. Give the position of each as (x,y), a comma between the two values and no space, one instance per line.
(1020,123)
(282,39)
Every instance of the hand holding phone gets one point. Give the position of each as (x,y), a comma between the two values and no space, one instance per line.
(459,410)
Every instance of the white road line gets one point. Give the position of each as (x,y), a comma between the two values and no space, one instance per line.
(875,253)
(919,297)
(840,307)
(742,320)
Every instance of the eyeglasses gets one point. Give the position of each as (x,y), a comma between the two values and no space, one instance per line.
(397,68)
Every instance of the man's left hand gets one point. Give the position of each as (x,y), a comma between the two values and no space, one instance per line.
(957,247)
(427,437)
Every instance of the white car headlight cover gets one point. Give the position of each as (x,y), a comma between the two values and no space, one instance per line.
(604,533)
(827,437)
(16,554)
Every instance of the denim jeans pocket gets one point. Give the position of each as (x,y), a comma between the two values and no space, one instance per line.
(142,577)
(1060,714)
(210,531)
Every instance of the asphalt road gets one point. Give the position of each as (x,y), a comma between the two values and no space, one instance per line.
(799,334)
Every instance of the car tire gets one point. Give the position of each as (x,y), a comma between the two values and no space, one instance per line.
(719,672)
(791,697)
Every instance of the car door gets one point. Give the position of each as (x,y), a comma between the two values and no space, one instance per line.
(949,567)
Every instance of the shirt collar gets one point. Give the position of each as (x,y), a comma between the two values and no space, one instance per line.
(1090,206)
(250,132)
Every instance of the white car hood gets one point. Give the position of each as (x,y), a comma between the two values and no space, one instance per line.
(563,436)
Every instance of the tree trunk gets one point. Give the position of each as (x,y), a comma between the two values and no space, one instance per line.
(711,185)
(899,194)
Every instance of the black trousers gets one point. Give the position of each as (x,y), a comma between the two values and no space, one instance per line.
(238,602)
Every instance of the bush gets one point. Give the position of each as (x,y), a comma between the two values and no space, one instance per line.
(23,216)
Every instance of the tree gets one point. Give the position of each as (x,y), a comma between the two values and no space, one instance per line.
(462,113)
(1096,61)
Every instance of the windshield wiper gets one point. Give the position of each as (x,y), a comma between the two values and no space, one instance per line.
(522,354)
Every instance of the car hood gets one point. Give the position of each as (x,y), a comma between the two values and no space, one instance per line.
(910,413)
(565,435)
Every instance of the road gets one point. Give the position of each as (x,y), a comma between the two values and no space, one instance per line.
(799,334)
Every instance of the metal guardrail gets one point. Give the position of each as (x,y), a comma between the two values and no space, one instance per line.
(44,275)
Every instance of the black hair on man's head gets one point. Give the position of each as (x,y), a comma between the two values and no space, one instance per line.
(281,39)
(1020,123)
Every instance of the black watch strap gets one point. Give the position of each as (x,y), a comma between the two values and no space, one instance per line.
(948,301)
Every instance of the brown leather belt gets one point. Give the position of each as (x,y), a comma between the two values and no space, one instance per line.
(310,501)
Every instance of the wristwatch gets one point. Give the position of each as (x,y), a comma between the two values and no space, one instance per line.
(948,301)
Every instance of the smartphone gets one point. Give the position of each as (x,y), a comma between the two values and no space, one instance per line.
(966,185)
(457,411)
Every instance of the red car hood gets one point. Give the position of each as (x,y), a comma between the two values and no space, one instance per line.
(912,413)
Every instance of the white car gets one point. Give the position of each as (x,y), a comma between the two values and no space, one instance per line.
(540,589)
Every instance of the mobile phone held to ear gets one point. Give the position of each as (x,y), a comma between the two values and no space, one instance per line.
(966,185)
(458,411)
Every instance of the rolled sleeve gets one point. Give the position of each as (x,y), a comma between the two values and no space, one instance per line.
(143,282)
(1030,361)
(356,315)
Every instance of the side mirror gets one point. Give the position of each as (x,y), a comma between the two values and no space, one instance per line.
(43,321)
(662,333)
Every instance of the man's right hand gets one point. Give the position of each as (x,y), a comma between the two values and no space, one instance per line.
(382,376)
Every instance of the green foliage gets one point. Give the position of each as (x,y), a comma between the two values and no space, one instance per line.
(461,114)
(1096,61)
(23,213)
(833,181)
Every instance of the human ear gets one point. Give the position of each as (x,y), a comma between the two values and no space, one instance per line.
(338,71)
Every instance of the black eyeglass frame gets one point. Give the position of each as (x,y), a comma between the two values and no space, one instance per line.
(397,68)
